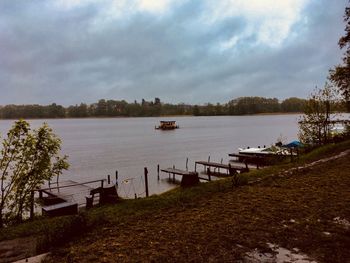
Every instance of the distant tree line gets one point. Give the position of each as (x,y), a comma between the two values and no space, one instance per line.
(121,108)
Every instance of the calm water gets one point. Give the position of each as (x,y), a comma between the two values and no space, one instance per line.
(97,147)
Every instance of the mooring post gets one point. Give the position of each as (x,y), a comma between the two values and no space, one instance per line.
(187,164)
(146,180)
(57,179)
(209,175)
(158,172)
(205,167)
(222,160)
(173,174)
(108,179)
(116,177)
(32,204)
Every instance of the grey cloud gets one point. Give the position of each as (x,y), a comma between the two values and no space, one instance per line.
(48,55)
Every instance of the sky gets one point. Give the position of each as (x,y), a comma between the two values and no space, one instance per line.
(182,51)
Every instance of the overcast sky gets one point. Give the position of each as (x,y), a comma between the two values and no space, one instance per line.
(191,51)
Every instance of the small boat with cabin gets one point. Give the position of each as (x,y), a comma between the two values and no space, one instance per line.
(167,125)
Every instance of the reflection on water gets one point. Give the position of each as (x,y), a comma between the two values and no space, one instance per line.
(97,147)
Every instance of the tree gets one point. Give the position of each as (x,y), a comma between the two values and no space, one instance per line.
(27,159)
(340,75)
(293,105)
(314,126)
(101,108)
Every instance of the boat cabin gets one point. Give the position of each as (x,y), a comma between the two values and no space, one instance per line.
(167,125)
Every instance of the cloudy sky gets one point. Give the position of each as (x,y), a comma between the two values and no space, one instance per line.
(191,51)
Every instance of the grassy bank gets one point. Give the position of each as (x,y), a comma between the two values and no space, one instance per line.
(214,220)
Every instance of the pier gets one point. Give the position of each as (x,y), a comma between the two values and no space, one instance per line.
(188,178)
(249,159)
(68,196)
(219,166)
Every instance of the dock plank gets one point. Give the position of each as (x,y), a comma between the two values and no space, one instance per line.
(220,165)
(69,191)
(176,171)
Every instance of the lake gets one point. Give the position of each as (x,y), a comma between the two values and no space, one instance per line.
(97,147)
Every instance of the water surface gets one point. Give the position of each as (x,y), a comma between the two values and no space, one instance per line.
(97,147)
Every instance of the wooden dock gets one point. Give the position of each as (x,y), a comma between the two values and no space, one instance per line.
(66,197)
(249,159)
(188,178)
(219,166)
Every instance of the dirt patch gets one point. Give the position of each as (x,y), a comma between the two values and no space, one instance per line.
(16,249)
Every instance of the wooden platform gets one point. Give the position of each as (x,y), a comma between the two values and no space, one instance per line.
(69,191)
(176,171)
(67,196)
(188,178)
(221,166)
(64,208)
(258,160)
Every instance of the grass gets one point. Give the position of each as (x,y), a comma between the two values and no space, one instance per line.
(190,222)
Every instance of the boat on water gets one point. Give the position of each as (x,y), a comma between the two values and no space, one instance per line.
(337,129)
(285,150)
(167,125)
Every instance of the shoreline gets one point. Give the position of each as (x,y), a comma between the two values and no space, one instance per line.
(163,116)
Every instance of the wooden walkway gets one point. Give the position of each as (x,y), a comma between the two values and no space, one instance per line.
(69,191)
(188,178)
(219,166)
(66,197)
(258,160)
(176,171)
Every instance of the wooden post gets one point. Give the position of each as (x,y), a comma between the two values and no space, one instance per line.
(32,204)
(195,166)
(158,172)
(116,177)
(187,164)
(222,160)
(146,180)
(209,175)
(57,179)
(173,174)
(102,183)
(89,201)
(108,179)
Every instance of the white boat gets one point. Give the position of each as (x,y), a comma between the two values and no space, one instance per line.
(337,129)
(273,150)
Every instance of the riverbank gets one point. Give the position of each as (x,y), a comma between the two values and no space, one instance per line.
(160,116)
(302,210)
